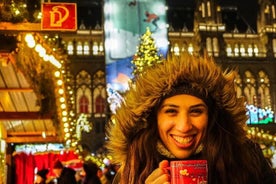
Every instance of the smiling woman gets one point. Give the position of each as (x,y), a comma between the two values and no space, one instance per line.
(185,108)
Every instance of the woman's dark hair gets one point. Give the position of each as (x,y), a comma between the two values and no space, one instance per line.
(146,140)
(228,152)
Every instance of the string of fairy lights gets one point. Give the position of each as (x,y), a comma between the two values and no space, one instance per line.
(36,42)
(73,125)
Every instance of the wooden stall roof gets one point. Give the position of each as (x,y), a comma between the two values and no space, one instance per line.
(20,115)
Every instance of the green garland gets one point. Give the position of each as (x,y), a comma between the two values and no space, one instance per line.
(40,76)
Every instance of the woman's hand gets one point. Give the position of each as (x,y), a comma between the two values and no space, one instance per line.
(159,175)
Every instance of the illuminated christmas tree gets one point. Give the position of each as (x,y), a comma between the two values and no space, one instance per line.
(146,55)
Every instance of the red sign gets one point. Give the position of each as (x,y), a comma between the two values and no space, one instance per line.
(59,16)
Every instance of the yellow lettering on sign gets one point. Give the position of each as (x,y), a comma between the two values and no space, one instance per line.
(56,17)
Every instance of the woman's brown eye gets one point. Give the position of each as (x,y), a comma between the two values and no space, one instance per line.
(198,111)
(170,111)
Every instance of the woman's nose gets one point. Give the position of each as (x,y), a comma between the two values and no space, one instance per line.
(183,123)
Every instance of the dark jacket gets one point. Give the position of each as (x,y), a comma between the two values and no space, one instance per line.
(67,176)
(268,175)
(91,170)
(94,180)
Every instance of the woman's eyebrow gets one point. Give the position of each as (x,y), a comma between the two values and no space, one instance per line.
(199,105)
(175,106)
(168,105)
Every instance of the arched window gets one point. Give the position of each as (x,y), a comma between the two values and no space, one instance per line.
(79,48)
(86,48)
(249,89)
(209,46)
(215,47)
(99,94)
(263,90)
(238,83)
(95,48)
(70,48)
(83,92)
(83,105)
(274,46)
(100,105)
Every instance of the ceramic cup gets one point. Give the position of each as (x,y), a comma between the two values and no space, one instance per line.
(189,172)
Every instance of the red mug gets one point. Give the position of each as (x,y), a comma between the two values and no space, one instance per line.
(189,172)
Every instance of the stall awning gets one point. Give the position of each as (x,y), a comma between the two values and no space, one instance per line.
(21,118)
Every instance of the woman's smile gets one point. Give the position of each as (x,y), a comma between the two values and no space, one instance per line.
(183,141)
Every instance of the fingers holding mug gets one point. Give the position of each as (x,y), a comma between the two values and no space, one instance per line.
(159,175)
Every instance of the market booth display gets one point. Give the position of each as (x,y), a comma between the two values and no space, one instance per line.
(27,162)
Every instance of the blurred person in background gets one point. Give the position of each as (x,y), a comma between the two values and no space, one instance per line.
(41,176)
(91,170)
(79,176)
(65,175)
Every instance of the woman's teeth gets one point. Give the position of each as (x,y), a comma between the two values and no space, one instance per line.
(183,140)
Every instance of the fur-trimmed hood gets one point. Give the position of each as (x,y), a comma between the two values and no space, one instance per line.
(150,88)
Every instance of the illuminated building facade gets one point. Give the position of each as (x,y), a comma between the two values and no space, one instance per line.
(218,27)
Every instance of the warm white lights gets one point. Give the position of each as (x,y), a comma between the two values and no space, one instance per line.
(70,48)
(242,50)
(60,91)
(190,49)
(57,74)
(95,48)
(30,40)
(175,49)
(62,99)
(35,43)
(85,48)
(42,52)
(64,113)
(43,134)
(63,106)
(250,50)
(79,48)
(59,82)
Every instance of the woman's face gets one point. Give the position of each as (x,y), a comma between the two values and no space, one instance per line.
(182,121)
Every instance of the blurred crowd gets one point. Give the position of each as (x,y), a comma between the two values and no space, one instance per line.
(90,173)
